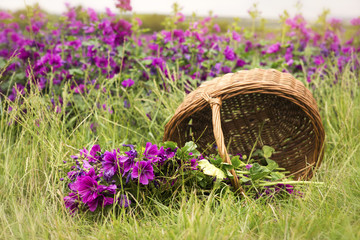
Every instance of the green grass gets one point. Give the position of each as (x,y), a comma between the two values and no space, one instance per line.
(31,205)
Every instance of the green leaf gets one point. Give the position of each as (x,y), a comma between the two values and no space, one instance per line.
(216,161)
(190,146)
(2,62)
(211,170)
(257,153)
(170,144)
(89,42)
(199,177)
(20,76)
(71,38)
(271,165)
(267,151)
(202,184)
(236,162)
(276,176)
(244,179)
(257,171)
(226,166)
(76,71)
(146,62)
(229,174)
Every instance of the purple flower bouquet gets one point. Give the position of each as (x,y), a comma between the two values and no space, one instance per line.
(125,177)
(98,179)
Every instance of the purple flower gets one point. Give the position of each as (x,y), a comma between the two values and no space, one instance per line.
(148,116)
(132,153)
(144,171)
(4,15)
(90,192)
(126,104)
(216,27)
(92,14)
(236,36)
(109,13)
(89,29)
(17,88)
(92,155)
(229,53)
(193,163)
(240,63)
(93,127)
(87,188)
(248,46)
(91,51)
(110,165)
(248,166)
(318,60)
(355,21)
(139,22)
(287,187)
(72,202)
(72,175)
(55,60)
(91,173)
(290,62)
(124,201)
(180,17)
(127,83)
(151,152)
(101,62)
(273,48)
(76,43)
(124,5)
(226,69)
(164,155)
(86,164)
(128,161)
(100,200)
(111,189)
(158,63)
(215,70)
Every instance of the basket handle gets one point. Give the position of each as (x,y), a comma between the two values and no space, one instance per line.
(215,104)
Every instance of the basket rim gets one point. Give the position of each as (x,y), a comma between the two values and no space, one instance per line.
(187,108)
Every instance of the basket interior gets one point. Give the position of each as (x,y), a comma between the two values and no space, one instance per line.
(284,126)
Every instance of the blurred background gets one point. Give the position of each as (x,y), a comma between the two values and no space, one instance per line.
(153,13)
(345,9)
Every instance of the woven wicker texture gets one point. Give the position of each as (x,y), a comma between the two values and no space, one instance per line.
(239,109)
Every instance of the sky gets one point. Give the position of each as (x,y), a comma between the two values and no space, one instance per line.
(345,9)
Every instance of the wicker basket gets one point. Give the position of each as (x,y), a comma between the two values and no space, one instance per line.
(266,107)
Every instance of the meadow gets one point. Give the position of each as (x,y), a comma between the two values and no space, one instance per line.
(89,78)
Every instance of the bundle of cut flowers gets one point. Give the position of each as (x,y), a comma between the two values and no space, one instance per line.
(128,175)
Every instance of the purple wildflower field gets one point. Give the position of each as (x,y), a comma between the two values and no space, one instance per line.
(85,48)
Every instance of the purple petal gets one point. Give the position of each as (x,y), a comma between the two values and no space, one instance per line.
(124,201)
(95,149)
(149,175)
(144,180)
(111,189)
(93,204)
(86,164)
(108,201)
(135,172)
